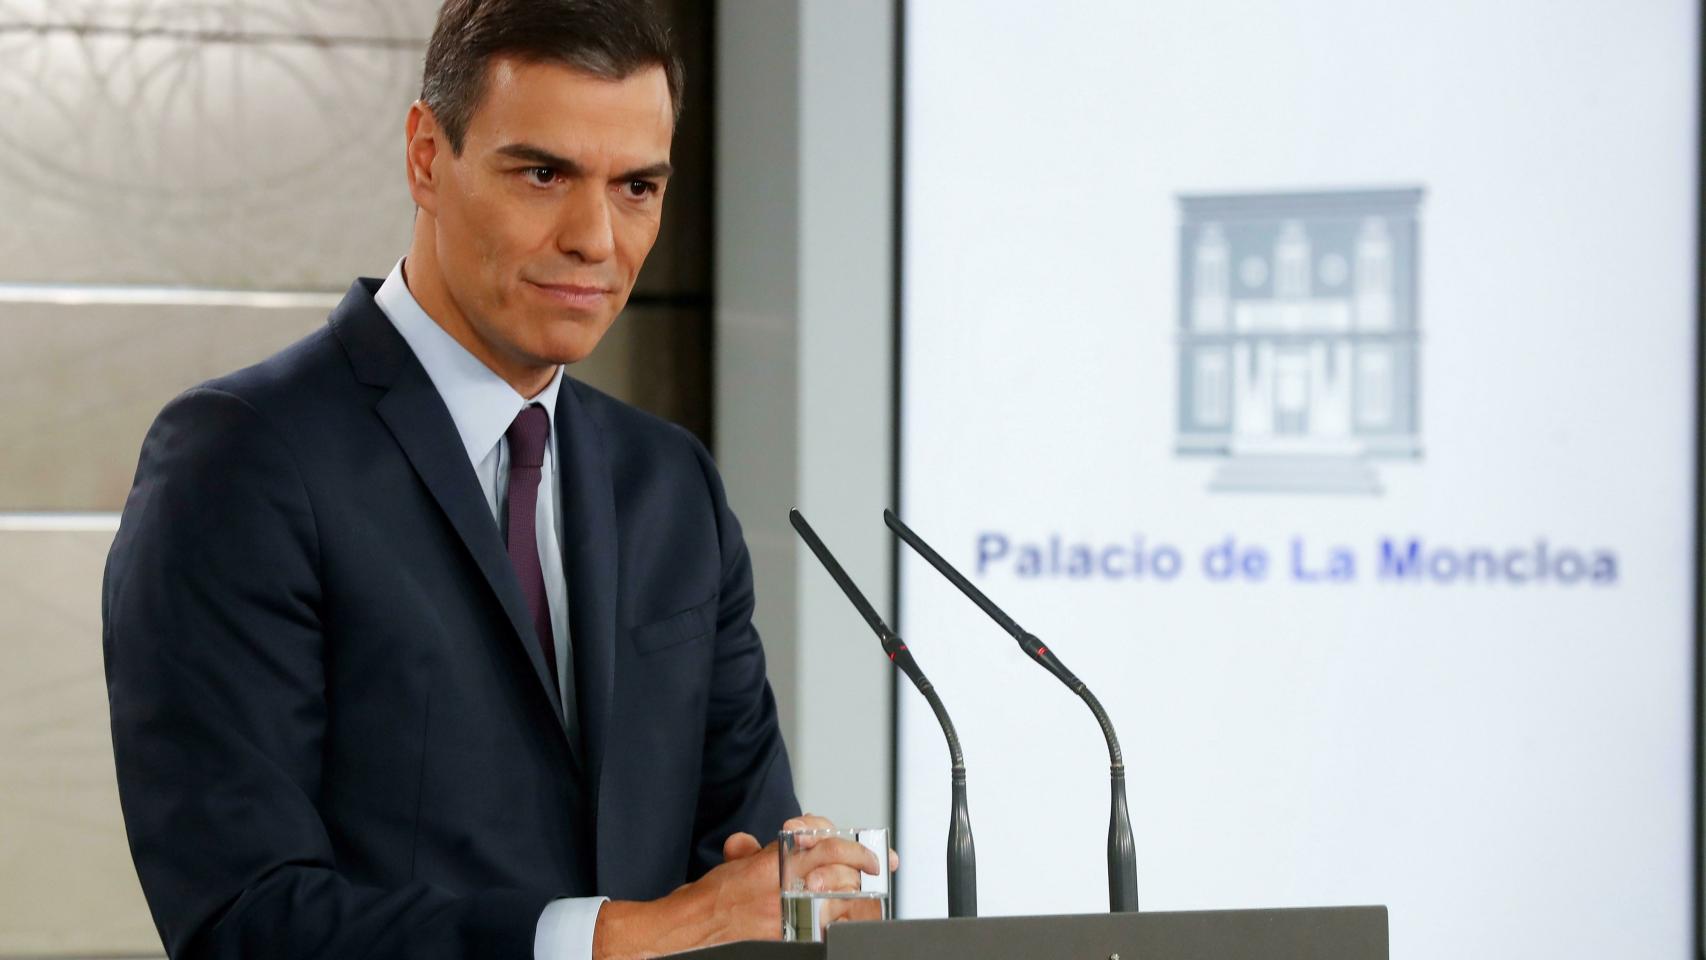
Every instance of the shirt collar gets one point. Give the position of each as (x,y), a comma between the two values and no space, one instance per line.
(482,404)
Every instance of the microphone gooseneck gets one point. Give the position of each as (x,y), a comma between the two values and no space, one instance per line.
(1122,850)
(962,854)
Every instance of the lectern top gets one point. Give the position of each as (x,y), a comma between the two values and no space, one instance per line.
(1311,933)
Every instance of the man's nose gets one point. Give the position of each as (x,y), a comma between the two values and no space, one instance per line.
(584,230)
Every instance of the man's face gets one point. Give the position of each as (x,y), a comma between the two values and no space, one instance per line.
(544,219)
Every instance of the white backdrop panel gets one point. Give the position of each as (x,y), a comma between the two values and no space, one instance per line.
(1507,765)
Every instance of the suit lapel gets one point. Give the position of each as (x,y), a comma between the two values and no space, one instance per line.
(418,418)
(589,562)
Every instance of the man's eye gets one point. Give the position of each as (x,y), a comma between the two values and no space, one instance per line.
(541,176)
(640,189)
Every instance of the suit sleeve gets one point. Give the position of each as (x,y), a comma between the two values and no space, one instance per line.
(214,659)
(746,784)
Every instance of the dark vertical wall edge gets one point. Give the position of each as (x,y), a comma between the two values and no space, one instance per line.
(710,307)
(896,276)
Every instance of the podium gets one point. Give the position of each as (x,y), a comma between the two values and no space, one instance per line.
(1308,933)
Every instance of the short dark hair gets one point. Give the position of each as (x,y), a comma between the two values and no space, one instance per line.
(613,39)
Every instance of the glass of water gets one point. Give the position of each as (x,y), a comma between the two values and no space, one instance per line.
(820,888)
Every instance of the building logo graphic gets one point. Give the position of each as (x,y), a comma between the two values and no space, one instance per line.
(1298,337)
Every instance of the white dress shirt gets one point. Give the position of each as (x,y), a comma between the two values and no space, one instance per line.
(483,405)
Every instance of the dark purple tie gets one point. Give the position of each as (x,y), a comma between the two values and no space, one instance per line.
(527,437)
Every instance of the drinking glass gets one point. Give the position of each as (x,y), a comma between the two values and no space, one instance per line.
(818,889)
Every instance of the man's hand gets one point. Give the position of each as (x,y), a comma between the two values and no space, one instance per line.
(737,900)
(805,821)
(739,846)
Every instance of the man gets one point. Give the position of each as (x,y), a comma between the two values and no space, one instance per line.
(416,647)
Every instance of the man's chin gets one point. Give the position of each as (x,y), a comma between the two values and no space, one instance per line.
(573,348)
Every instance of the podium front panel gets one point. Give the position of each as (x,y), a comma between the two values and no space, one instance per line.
(1322,933)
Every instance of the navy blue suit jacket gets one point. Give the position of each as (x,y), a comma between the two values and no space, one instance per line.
(333,729)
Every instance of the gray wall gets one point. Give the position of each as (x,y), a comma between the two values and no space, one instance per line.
(188,187)
(803,373)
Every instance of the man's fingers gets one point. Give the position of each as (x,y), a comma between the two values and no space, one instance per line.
(841,877)
(808,821)
(830,864)
(833,878)
(740,846)
(835,911)
(833,850)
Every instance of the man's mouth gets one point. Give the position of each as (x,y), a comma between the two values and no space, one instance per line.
(580,295)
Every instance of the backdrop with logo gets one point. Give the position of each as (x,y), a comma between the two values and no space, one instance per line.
(1316,378)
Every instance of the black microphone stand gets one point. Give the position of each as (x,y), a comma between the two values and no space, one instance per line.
(1122,851)
(962,856)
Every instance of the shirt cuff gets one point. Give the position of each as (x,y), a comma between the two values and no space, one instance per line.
(565,929)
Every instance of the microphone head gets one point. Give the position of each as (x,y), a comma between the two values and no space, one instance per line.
(833,568)
(1036,650)
(954,576)
(891,643)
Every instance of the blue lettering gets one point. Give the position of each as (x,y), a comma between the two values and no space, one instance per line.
(1225,560)
(1300,570)
(1482,566)
(1030,562)
(990,547)
(1396,565)
(1604,567)
(1513,567)
(1217,561)
(1255,564)
(1443,565)
(1341,565)
(1166,562)
(1111,569)
(1078,564)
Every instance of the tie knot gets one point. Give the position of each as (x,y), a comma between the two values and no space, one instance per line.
(527,436)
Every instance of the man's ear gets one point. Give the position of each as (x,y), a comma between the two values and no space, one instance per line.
(425,140)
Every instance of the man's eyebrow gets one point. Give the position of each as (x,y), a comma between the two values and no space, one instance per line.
(541,156)
(656,171)
(531,154)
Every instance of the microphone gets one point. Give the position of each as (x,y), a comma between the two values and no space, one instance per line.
(962,857)
(1122,852)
